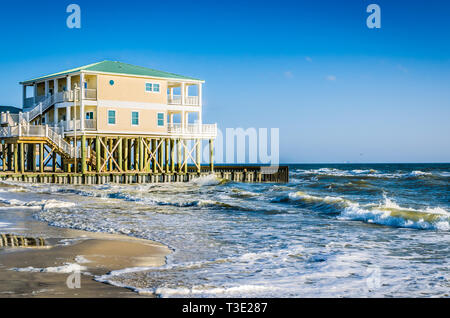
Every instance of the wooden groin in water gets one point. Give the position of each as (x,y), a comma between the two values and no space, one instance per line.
(249,174)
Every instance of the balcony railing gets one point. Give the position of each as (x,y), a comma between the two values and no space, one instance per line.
(25,130)
(188,100)
(9,119)
(205,130)
(89,124)
(90,93)
(59,97)
(174,100)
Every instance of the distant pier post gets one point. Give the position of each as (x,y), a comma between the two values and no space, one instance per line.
(211,154)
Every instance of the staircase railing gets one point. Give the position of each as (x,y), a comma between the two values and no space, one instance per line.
(40,131)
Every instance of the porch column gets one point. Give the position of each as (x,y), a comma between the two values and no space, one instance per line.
(200,118)
(67,117)
(55,117)
(46,88)
(82,101)
(68,83)
(200,94)
(24,94)
(55,86)
(183,120)
(183,93)
(35,93)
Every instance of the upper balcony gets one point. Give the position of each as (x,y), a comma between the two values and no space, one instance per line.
(178,100)
(59,97)
(184,94)
(59,90)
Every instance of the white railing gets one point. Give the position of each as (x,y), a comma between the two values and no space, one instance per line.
(90,93)
(9,119)
(42,103)
(39,131)
(177,100)
(174,99)
(193,129)
(89,124)
(191,100)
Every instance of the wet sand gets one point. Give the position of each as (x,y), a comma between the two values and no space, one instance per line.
(43,272)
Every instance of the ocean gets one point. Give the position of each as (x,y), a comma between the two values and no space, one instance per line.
(335,230)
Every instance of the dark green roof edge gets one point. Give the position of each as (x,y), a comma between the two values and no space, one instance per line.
(115,67)
(11,109)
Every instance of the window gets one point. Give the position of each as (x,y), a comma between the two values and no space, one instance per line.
(111,117)
(160,119)
(135,118)
(152,87)
(89,115)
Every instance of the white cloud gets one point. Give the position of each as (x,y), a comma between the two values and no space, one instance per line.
(308,59)
(330,78)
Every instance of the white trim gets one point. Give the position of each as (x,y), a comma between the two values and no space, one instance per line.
(136,105)
(180,108)
(149,77)
(143,133)
(44,78)
(70,104)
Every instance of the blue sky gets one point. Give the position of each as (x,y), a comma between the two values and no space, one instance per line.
(337,90)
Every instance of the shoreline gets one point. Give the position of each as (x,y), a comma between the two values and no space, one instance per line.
(47,272)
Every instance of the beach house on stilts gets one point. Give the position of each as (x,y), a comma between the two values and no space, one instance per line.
(105,118)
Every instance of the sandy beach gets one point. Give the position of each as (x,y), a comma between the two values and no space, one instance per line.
(44,272)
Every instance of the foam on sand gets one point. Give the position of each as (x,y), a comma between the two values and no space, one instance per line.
(64,269)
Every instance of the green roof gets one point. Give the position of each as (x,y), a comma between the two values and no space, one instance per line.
(11,109)
(114,67)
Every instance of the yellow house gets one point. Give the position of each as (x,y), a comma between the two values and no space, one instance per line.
(119,99)
(111,116)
